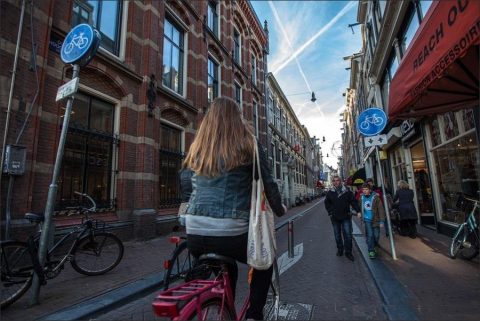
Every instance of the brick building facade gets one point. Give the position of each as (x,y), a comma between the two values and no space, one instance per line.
(139,104)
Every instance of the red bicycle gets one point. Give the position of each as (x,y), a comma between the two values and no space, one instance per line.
(207,299)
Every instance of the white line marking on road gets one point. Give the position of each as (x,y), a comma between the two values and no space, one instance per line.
(284,262)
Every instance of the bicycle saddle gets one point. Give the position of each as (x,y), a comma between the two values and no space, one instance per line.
(217,257)
(34,218)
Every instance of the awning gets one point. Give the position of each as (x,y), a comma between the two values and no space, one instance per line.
(359,177)
(440,70)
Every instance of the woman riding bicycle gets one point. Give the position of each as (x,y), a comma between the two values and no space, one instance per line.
(218,210)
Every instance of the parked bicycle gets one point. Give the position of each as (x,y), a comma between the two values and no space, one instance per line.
(179,263)
(207,299)
(466,239)
(92,252)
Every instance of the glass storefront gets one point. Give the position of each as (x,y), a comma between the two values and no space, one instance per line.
(456,159)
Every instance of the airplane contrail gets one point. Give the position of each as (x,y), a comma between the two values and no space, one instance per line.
(342,12)
(285,34)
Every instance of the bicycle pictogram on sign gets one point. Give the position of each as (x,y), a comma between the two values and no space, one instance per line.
(371,121)
(78,41)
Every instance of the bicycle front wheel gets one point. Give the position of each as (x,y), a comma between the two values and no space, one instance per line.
(180,263)
(16,271)
(97,253)
(213,310)
(472,251)
(457,241)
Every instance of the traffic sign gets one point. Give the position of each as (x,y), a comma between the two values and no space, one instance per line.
(378,140)
(68,89)
(371,121)
(80,44)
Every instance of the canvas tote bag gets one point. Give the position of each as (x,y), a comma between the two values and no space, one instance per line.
(261,231)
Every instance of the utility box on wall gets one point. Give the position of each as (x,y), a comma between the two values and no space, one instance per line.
(15,158)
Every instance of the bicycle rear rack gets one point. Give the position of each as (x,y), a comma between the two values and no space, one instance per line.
(166,303)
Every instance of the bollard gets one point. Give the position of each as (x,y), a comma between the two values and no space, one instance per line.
(291,253)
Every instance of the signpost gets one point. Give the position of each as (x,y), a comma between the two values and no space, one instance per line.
(370,123)
(79,47)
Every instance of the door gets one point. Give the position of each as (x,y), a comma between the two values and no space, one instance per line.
(423,188)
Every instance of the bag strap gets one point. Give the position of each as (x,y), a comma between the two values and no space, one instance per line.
(256,159)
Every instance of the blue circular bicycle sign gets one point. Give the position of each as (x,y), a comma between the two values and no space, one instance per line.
(80,44)
(371,121)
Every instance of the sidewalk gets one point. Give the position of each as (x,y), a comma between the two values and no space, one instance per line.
(78,296)
(438,288)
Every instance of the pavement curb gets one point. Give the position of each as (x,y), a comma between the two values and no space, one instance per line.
(107,301)
(397,303)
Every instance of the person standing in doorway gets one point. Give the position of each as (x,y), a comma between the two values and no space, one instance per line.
(337,203)
(373,214)
(406,207)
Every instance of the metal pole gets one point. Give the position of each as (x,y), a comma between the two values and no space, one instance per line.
(291,253)
(387,210)
(52,194)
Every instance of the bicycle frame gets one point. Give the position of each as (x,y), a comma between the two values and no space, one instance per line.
(196,292)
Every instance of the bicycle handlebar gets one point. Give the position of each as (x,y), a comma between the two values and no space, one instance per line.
(94,207)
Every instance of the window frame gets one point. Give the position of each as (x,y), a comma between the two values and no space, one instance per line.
(218,73)
(254,70)
(214,28)
(175,22)
(237,59)
(239,101)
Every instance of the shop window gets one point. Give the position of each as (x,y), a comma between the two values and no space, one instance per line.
(105,16)
(171,157)
(450,126)
(457,175)
(399,166)
(468,119)
(88,155)
(435,132)
(173,52)
(212,79)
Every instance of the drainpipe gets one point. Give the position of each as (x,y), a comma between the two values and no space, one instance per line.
(10,96)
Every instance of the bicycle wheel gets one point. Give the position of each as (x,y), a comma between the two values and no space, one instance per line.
(97,253)
(472,251)
(180,263)
(16,271)
(212,310)
(457,241)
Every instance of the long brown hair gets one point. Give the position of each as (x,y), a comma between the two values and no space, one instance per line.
(223,141)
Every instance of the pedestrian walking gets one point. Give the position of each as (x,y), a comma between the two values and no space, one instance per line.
(373,214)
(217,214)
(408,213)
(337,203)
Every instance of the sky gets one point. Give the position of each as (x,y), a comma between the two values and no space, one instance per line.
(308,40)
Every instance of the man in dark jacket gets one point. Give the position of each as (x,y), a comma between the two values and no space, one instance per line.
(338,202)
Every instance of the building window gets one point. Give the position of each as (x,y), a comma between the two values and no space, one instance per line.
(270,115)
(278,161)
(411,28)
(255,118)
(238,95)
(435,131)
(173,52)
(385,90)
(425,5)
(105,16)
(399,165)
(393,65)
(212,17)
(237,44)
(254,70)
(277,116)
(87,160)
(171,156)
(212,79)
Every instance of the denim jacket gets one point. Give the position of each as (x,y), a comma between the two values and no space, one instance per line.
(229,194)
